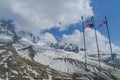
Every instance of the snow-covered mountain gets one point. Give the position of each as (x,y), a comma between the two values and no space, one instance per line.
(10,35)
(64,46)
(27,36)
(21,58)
(15,67)
(7,33)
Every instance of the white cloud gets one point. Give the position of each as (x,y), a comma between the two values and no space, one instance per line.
(38,15)
(77,38)
(47,38)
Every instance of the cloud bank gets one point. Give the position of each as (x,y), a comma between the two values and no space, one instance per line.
(47,37)
(77,38)
(39,15)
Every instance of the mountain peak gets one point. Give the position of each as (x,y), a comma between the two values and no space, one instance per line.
(65,46)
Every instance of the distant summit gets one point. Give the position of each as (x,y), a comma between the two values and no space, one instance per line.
(64,46)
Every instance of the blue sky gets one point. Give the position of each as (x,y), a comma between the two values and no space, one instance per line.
(110,8)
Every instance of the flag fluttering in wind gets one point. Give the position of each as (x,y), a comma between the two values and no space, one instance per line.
(105,22)
(89,23)
(102,23)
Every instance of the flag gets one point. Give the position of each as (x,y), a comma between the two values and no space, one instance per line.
(102,23)
(90,25)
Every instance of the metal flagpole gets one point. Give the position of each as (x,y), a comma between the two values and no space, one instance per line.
(84,43)
(109,42)
(96,43)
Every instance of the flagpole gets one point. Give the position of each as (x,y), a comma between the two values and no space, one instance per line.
(109,41)
(84,44)
(96,43)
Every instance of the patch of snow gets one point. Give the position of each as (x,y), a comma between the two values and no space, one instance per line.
(24,54)
(116,74)
(2,51)
(10,53)
(49,77)
(26,41)
(33,71)
(15,72)
(5,58)
(2,36)
(7,78)
(6,66)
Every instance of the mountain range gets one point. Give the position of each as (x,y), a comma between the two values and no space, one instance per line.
(22,57)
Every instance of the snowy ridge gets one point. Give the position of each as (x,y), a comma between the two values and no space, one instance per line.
(12,66)
(20,49)
(71,62)
(64,46)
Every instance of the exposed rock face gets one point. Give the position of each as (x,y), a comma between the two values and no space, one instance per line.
(64,46)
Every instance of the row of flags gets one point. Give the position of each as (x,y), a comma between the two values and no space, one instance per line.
(90,23)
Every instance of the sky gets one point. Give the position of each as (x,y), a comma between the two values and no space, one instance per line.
(110,8)
(60,20)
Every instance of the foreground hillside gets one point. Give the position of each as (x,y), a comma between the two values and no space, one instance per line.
(14,67)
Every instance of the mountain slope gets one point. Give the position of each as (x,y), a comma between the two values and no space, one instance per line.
(21,58)
(14,67)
